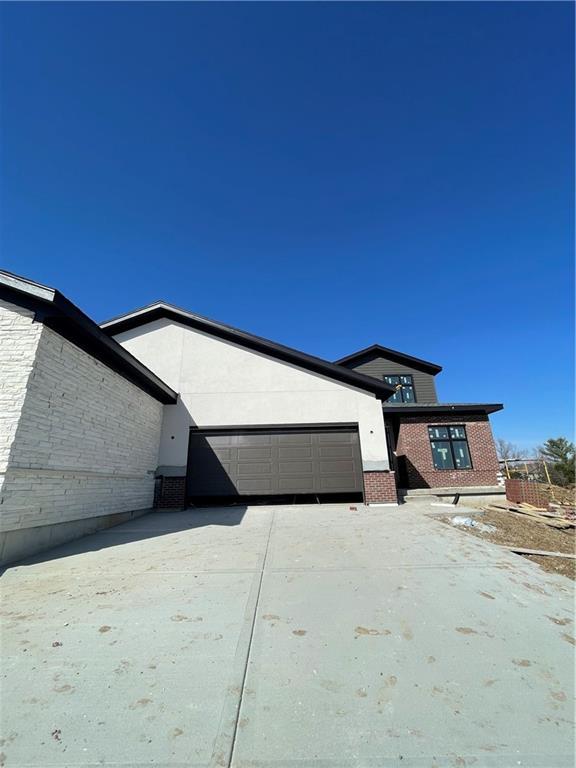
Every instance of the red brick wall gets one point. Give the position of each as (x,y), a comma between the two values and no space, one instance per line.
(414,445)
(380,488)
(518,491)
(172,493)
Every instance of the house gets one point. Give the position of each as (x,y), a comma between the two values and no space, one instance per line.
(160,403)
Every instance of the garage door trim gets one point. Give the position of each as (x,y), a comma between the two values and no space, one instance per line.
(255,428)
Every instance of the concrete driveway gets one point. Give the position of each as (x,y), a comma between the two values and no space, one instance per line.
(286,636)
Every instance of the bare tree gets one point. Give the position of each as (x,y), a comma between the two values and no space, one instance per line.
(507,451)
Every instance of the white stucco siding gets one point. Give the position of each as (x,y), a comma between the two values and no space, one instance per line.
(223,384)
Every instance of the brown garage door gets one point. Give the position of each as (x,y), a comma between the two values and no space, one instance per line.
(274,460)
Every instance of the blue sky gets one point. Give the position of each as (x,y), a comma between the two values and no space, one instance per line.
(326,175)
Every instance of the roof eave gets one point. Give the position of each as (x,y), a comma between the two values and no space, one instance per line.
(57,312)
(486,408)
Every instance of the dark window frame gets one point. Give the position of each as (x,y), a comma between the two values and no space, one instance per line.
(401,389)
(450,440)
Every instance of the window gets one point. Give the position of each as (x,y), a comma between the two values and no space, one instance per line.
(449,447)
(404,389)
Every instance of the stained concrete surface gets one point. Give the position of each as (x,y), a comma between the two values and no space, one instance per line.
(286,636)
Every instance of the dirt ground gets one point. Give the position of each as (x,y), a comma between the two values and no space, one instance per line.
(514,531)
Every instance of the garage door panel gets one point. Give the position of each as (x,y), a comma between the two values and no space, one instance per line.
(336,484)
(293,452)
(247,440)
(223,454)
(255,485)
(336,451)
(337,466)
(296,485)
(263,468)
(296,467)
(217,441)
(341,437)
(297,460)
(297,438)
(246,454)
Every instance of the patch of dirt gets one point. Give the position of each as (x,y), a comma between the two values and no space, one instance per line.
(515,531)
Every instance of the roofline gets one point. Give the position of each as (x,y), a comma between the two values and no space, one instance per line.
(443,408)
(424,365)
(54,310)
(159,310)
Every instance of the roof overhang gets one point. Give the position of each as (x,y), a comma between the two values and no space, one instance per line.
(390,354)
(432,408)
(162,310)
(55,311)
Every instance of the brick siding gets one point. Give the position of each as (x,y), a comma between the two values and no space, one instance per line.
(413,447)
(519,491)
(172,493)
(86,442)
(380,488)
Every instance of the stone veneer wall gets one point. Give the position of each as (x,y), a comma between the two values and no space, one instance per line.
(19,337)
(82,440)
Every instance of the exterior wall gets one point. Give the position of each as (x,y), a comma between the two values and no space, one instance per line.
(19,336)
(380,488)
(222,384)
(414,445)
(86,442)
(377,366)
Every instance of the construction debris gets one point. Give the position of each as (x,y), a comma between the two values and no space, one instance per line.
(520,530)
(541,552)
(469,522)
(555,518)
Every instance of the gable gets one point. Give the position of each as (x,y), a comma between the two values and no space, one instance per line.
(195,362)
(378,364)
(162,311)
(377,351)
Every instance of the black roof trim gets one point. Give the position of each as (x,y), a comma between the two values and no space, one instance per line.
(433,408)
(392,354)
(161,310)
(58,313)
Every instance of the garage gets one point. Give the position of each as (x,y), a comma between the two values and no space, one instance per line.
(254,418)
(287,460)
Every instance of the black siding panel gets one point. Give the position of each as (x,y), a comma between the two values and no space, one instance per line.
(378,367)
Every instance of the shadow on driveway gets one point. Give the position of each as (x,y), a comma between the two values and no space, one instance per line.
(148,526)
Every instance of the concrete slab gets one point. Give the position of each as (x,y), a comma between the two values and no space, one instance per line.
(283,636)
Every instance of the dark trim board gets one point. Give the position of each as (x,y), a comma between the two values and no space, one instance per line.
(55,311)
(162,310)
(432,408)
(265,428)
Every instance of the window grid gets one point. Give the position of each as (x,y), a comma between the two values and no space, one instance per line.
(404,385)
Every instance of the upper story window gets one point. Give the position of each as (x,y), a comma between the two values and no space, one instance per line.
(450,447)
(404,389)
